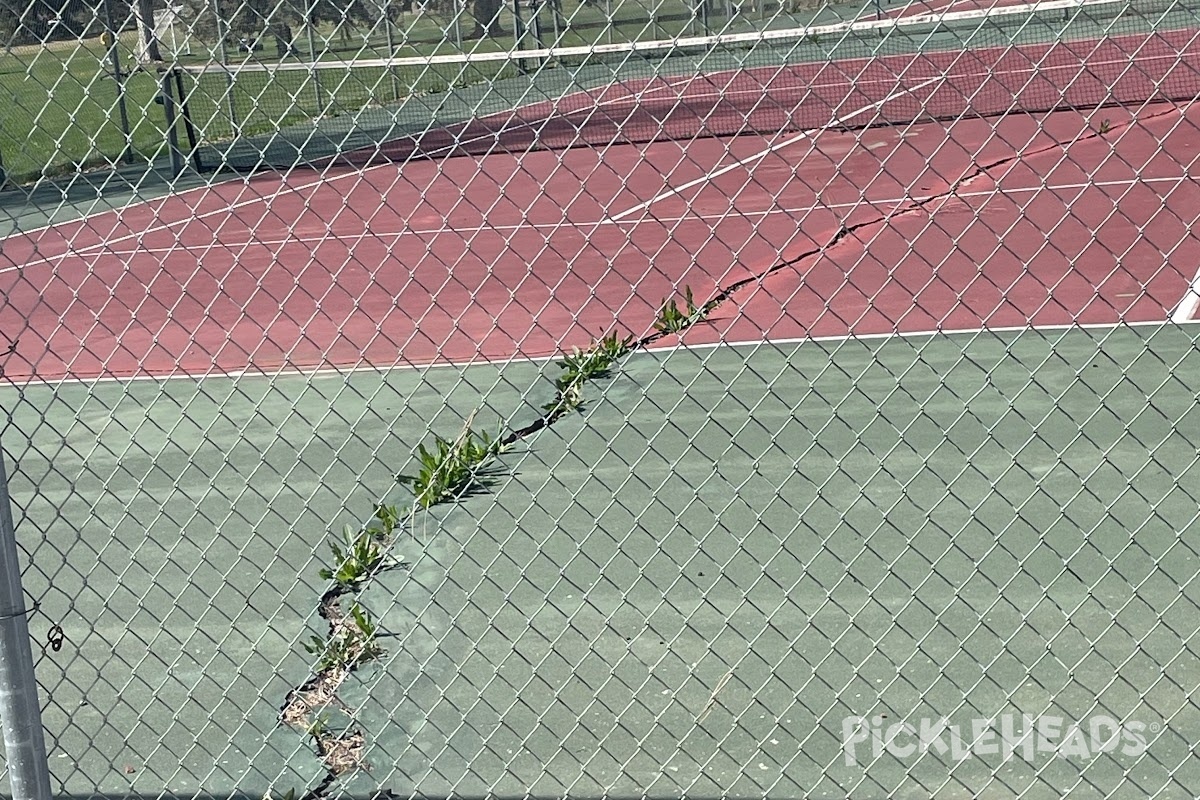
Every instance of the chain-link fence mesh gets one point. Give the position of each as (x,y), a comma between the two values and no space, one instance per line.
(684,398)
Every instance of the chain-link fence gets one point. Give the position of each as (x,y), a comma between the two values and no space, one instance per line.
(609,398)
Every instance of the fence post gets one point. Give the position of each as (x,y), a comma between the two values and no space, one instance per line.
(114,57)
(223,48)
(535,16)
(519,35)
(391,50)
(310,24)
(188,126)
(167,96)
(20,711)
(151,58)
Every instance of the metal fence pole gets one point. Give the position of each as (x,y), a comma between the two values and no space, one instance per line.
(167,96)
(391,49)
(519,35)
(114,56)
(189,127)
(152,58)
(535,14)
(20,711)
(311,24)
(223,49)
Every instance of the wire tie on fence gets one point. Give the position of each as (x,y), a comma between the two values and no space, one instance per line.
(24,612)
(55,637)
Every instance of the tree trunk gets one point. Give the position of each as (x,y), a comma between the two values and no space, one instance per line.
(487,18)
(284,40)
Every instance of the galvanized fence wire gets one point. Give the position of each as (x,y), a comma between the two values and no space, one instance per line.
(602,399)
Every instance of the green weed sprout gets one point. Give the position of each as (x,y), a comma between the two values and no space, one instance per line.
(317,728)
(672,319)
(565,401)
(451,468)
(585,365)
(385,522)
(595,362)
(357,557)
(350,644)
(367,627)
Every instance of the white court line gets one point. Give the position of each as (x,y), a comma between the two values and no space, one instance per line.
(898,13)
(1186,310)
(321,180)
(773,148)
(265,200)
(755,37)
(333,372)
(941,8)
(327,179)
(588,225)
(205,187)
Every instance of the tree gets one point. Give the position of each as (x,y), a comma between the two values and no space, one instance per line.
(231,20)
(253,19)
(487,18)
(344,15)
(36,21)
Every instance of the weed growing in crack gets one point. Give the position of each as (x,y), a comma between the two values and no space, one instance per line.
(595,362)
(452,468)
(565,401)
(343,753)
(385,522)
(1105,126)
(333,653)
(348,645)
(319,726)
(357,558)
(316,693)
(367,627)
(672,319)
(581,366)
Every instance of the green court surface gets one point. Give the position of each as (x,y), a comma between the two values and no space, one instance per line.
(72,197)
(684,589)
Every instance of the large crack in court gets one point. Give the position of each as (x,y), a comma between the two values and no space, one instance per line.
(340,752)
(920,204)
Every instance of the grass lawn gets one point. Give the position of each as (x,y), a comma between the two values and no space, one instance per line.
(64,111)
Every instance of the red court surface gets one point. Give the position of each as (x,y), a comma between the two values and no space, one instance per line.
(980,223)
(1129,70)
